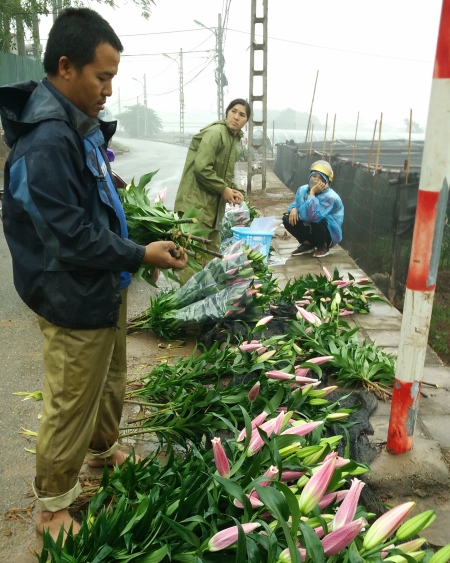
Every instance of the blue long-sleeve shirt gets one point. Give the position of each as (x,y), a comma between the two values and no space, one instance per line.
(326,205)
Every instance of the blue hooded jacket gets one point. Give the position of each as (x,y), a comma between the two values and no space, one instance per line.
(61,211)
(326,205)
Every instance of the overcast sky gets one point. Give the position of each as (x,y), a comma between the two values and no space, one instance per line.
(372,57)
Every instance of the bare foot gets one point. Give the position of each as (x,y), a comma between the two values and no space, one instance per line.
(53,521)
(118,458)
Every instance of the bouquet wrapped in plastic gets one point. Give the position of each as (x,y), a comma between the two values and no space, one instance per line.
(225,287)
(235,216)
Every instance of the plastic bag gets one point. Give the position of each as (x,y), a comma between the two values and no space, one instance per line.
(235,216)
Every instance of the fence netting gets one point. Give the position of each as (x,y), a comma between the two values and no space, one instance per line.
(380,207)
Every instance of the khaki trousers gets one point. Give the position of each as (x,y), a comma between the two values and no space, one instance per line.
(84,390)
(187,272)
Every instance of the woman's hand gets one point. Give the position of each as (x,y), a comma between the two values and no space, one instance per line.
(228,195)
(164,254)
(238,197)
(318,188)
(293,216)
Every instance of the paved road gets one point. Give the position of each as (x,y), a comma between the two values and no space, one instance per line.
(148,156)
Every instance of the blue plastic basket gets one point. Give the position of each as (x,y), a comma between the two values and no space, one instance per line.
(252,238)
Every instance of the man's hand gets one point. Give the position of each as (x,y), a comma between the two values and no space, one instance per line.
(228,195)
(164,254)
(293,216)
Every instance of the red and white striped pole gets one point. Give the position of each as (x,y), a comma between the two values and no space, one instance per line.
(425,251)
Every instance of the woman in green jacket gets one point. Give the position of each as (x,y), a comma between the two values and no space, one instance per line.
(207,181)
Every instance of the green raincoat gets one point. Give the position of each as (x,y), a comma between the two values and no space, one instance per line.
(208,170)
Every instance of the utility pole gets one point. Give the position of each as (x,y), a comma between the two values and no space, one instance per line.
(220,65)
(261,97)
(145,104)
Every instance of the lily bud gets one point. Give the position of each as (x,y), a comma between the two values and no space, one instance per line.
(220,458)
(270,427)
(347,509)
(316,486)
(441,556)
(285,556)
(229,536)
(416,524)
(271,473)
(386,525)
(327,273)
(254,502)
(251,347)
(288,475)
(302,429)
(277,374)
(257,421)
(337,540)
(266,356)
(264,321)
(336,496)
(320,360)
(254,391)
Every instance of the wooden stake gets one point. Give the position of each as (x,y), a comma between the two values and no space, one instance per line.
(354,143)
(408,161)
(332,139)
(379,142)
(371,147)
(310,111)
(325,137)
(311,139)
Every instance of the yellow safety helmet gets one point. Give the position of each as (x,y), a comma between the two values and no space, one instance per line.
(324,167)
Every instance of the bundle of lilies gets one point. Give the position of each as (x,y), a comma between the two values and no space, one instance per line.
(266,495)
(227,287)
(149,222)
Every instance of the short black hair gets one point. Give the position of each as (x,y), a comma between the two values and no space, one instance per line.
(76,34)
(243,103)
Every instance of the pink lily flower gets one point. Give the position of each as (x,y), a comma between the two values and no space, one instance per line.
(161,196)
(288,475)
(254,502)
(231,271)
(305,314)
(229,536)
(327,273)
(363,280)
(302,302)
(261,350)
(316,487)
(347,509)
(302,379)
(320,360)
(220,458)
(345,313)
(337,540)
(264,321)
(310,385)
(342,283)
(301,372)
(325,391)
(336,496)
(386,525)
(316,320)
(249,347)
(277,374)
(272,426)
(257,421)
(254,391)
(302,429)
(272,472)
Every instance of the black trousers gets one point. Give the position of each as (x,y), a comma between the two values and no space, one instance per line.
(317,234)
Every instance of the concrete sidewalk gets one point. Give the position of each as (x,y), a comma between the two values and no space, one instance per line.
(421,475)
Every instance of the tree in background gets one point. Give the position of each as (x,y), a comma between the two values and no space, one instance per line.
(18,16)
(415,127)
(140,121)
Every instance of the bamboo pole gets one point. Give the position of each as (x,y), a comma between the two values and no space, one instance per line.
(325,137)
(310,111)
(311,139)
(354,143)
(371,146)
(379,142)
(332,138)
(409,147)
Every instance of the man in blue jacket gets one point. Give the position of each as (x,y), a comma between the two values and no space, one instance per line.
(315,217)
(66,230)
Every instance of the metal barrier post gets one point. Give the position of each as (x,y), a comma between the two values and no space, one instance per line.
(425,251)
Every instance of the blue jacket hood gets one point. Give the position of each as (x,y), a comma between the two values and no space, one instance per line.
(25,104)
